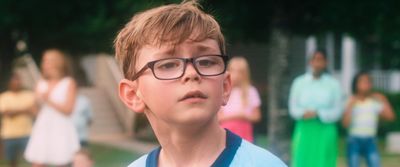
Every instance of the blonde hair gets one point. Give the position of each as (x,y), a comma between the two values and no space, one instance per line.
(165,25)
(241,62)
(62,64)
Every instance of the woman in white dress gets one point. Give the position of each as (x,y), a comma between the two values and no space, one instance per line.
(54,140)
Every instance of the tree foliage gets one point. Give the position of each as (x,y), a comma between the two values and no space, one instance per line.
(90,25)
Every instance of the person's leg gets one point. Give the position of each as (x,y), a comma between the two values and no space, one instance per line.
(84,143)
(353,152)
(372,153)
(19,145)
(13,163)
(10,151)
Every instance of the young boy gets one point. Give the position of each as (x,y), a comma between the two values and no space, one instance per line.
(174,61)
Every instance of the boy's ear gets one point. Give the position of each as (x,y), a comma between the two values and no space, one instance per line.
(227,88)
(129,94)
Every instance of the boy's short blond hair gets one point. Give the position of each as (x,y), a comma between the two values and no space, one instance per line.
(165,25)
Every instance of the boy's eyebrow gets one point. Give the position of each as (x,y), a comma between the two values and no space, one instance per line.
(171,50)
(166,52)
(202,48)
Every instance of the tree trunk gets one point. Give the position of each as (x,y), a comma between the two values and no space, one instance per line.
(278,135)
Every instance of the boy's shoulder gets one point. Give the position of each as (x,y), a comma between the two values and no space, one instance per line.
(247,154)
(141,162)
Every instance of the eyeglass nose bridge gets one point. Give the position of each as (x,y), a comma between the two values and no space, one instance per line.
(192,61)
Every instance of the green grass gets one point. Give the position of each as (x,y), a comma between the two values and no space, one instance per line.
(103,157)
(110,157)
(387,159)
(107,157)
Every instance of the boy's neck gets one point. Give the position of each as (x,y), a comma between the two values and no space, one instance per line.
(199,146)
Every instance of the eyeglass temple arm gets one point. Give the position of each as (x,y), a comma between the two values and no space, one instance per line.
(140,72)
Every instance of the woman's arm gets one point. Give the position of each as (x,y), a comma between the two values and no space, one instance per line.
(232,116)
(67,107)
(296,111)
(255,115)
(334,112)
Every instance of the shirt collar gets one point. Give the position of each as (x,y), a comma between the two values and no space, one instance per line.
(224,159)
(309,76)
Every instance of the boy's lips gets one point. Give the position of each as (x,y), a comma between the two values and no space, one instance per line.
(193,95)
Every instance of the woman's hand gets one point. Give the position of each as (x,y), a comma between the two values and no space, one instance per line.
(309,114)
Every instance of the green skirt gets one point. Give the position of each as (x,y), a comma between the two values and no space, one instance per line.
(314,144)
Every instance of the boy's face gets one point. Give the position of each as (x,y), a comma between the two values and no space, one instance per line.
(186,101)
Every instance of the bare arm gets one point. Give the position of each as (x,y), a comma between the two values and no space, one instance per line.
(346,120)
(13,113)
(27,110)
(387,110)
(67,107)
(225,117)
(255,115)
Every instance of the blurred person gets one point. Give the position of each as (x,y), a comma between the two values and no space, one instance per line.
(54,140)
(82,118)
(243,107)
(361,118)
(315,104)
(83,159)
(17,109)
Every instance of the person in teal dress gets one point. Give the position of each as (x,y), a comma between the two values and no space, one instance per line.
(315,104)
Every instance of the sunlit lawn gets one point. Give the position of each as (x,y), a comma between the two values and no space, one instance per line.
(388,160)
(103,156)
(110,157)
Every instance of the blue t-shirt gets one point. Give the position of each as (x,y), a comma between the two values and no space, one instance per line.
(237,152)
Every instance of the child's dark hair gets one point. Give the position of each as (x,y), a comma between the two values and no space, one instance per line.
(354,83)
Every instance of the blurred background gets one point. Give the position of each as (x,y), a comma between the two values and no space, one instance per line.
(276,37)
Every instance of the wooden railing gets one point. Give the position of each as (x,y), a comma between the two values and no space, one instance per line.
(28,70)
(108,76)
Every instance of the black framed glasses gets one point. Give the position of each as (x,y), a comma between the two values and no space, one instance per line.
(174,68)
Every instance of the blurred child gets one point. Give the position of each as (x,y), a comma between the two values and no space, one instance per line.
(361,118)
(16,107)
(243,107)
(174,62)
(82,159)
(54,140)
(82,118)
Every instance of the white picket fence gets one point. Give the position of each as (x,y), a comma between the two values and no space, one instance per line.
(388,80)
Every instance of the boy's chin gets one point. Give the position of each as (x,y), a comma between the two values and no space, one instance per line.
(194,117)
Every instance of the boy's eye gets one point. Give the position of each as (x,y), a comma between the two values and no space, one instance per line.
(168,65)
(206,62)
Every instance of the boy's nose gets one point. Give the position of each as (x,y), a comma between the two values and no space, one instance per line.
(190,73)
